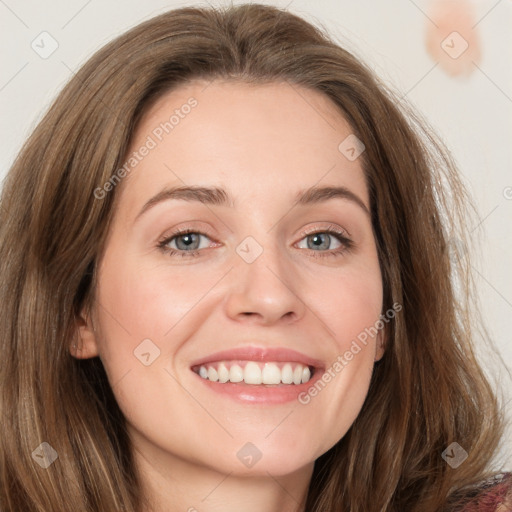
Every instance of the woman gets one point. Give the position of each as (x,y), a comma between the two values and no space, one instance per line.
(226,278)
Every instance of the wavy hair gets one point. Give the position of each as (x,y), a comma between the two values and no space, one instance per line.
(427,391)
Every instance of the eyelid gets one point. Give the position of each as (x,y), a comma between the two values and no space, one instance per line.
(343,236)
(175,232)
(330,227)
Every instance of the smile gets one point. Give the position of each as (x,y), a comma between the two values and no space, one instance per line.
(253,374)
(257,373)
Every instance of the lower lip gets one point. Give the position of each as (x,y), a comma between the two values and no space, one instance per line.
(261,393)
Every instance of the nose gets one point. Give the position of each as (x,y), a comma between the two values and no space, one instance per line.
(265,291)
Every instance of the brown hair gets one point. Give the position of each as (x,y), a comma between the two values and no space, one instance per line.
(428,390)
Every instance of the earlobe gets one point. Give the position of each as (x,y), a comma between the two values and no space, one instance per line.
(84,344)
(380,347)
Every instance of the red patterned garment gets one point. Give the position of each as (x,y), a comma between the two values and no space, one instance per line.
(492,496)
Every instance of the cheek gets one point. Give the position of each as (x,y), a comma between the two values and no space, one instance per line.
(142,312)
(349,302)
(349,307)
(138,303)
(150,301)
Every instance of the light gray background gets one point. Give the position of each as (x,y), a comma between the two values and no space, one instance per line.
(473,116)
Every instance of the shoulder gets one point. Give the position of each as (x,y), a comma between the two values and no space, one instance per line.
(493,495)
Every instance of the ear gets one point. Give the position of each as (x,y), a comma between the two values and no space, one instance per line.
(381,341)
(85,343)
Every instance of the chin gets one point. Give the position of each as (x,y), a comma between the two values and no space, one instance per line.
(249,460)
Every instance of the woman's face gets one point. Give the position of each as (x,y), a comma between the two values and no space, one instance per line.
(261,174)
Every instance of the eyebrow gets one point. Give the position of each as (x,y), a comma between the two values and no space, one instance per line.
(219,197)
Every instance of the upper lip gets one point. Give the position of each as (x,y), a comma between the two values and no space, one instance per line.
(265,354)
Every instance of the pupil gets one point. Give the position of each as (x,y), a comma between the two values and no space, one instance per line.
(320,241)
(185,241)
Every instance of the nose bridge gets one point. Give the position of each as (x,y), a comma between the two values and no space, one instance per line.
(263,284)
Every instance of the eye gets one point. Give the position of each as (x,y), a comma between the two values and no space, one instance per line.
(331,241)
(184,242)
(188,241)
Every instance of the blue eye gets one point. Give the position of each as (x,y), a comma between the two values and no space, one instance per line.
(320,243)
(187,243)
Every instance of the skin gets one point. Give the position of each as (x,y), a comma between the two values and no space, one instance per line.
(262,144)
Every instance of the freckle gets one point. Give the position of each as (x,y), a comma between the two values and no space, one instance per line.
(454,43)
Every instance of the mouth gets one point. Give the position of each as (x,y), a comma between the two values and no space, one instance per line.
(271,373)
(263,375)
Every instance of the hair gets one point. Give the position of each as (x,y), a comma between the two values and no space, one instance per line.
(426,392)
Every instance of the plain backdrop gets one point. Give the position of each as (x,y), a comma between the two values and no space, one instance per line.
(472,115)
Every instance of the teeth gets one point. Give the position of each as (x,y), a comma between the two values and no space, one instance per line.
(236,374)
(271,374)
(252,373)
(212,374)
(287,374)
(256,373)
(297,375)
(223,373)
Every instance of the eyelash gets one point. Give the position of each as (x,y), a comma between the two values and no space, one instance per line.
(346,243)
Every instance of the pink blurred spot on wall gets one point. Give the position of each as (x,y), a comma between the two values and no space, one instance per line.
(454,43)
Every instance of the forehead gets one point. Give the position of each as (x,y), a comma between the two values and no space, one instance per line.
(257,140)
